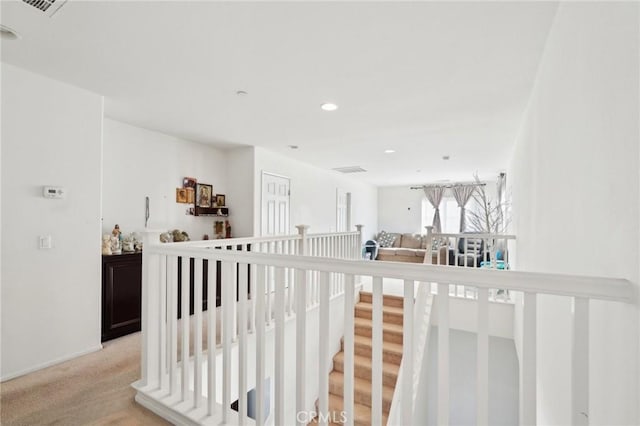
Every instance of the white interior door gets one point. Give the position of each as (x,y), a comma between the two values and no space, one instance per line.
(343,211)
(275,205)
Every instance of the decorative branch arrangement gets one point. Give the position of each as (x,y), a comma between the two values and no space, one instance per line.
(487,215)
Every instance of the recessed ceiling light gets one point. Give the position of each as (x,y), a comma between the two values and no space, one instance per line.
(329,107)
(389,151)
(418,171)
(241,93)
(8,34)
(445,157)
(293,146)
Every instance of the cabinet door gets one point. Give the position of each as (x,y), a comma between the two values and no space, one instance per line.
(122,297)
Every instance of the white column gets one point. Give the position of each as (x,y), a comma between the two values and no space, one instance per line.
(428,257)
(407,354)
(580,364)
(324,356)
(242,342)
(376,355)
(228,303)
(172,307)
(349,348)
(443,354)
(279,348)
(184,318)
(528,394)
(162,332)
(212,295)
(197,333)
(261,272)
(482,380)
(150,310)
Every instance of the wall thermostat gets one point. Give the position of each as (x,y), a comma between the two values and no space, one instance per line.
(53,191)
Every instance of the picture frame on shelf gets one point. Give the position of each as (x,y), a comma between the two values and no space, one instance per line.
(182,196)
(220,200)
(203,195)
(191,195)
(189,182)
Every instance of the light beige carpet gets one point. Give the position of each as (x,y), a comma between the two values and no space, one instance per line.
(90,390)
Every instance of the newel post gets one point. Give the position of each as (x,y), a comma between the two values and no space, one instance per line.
(300,295)
(150,313)
(357,250)
(303,230)
(428,256)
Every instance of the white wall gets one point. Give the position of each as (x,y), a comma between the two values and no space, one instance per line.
(240,184)
(313,194)
(400,209)
(140,162)
(51,135)
(576,205)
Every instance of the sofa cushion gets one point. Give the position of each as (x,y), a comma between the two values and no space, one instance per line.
(411,241)
(405,252)
(385,239)
(397,243)
(387,251)
(419,252)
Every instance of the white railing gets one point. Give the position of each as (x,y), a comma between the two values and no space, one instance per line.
(470,249)
(410,373)
(187,395)
(462,250)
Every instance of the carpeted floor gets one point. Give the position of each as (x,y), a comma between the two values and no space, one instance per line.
(90,390)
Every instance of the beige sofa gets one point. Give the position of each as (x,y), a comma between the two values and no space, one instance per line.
(410,248)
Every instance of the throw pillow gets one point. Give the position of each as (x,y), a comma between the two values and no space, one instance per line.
(385,239)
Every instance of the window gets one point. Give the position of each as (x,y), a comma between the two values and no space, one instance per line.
(449,215)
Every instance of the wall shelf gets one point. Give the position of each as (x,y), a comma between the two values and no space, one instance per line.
(212,211)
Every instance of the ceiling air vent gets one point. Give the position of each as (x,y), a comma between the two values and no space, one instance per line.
(48,6)
(350,169)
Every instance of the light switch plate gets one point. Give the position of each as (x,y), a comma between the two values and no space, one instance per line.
(45,242)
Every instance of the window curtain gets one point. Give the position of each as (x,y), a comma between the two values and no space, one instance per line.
(434,195)
(462,194)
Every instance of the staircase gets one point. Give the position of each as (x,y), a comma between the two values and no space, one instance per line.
(391,358)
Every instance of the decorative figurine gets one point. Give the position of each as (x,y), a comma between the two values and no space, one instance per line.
(166,237)
(116,232)
(179,236)
(128,244)
(106,244)
(227,227)
(115,245)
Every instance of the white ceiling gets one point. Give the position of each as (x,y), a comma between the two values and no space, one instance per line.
(425,79)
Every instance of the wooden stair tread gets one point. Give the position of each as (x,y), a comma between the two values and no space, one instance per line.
(390,314)
(363,361)
(366,306)
(362,367)
(387,299)
(386,327)
(391,352)
(359,340)
(361,390)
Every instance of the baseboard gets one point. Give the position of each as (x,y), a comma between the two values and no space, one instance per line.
(51,363)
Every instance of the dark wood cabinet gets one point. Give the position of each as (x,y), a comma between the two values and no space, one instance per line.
(121,294)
